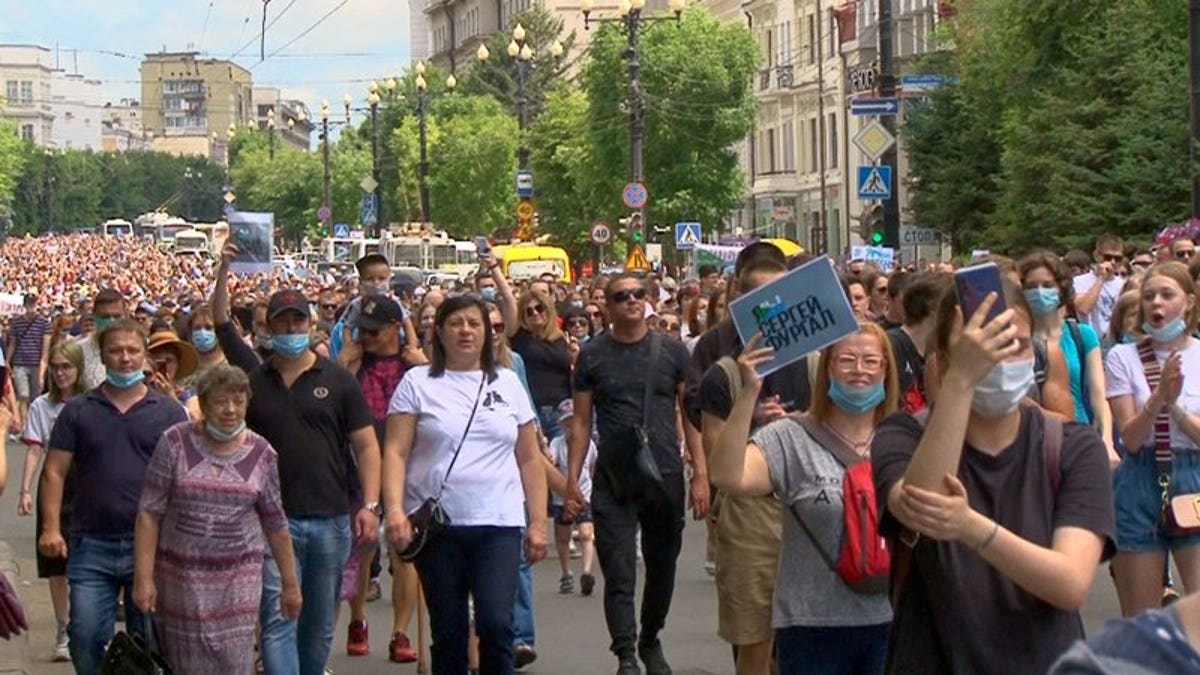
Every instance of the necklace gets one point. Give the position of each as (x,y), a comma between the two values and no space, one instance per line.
(862,448)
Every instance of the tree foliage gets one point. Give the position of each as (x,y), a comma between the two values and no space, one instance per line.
(1063,120)
(12,161)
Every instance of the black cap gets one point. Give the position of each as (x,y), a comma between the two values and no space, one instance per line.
(370,259)
(378,311)
(287,300)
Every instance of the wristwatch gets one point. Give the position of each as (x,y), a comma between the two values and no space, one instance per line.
(374,507)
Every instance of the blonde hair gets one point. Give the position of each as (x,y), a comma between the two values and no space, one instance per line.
(550,332)
(821,405)
(72,351)
(1177,272)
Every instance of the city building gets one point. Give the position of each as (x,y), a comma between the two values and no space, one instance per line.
(802,163)
(418,31)
(293,123)
(189,103)
(52,107)
(122,129)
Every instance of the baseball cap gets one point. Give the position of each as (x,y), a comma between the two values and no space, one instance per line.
(565,411)
(287,300)
(378,311)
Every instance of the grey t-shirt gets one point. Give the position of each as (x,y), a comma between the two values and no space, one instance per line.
(808,592)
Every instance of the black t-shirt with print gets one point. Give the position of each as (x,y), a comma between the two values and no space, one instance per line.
(910,365)
(616,373)
(957,613)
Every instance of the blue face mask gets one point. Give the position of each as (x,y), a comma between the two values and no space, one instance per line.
(290,344)
(124,380)
(1129,338)
(488,293)
(103,322)
(1042,301)
(204,340)
(220,435)
(856,400)
(1167,333)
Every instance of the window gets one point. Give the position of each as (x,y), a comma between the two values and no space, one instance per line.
(789,146)
(27,92)
(813,146)
(771,151)
(12,91)
(27,132)
(812,40)
(832,130)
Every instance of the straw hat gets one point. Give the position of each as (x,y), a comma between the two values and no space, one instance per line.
(184,352)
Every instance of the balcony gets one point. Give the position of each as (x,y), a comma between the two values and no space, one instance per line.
(785,77)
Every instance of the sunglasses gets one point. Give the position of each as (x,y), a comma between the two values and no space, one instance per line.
(625,295)
(535,309)
(328,306)
(1184,255)
(581,321)
(1117,257)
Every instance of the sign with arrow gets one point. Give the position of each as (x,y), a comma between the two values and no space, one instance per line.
(875,106)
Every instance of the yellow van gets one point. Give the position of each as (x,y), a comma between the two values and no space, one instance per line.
(528,261)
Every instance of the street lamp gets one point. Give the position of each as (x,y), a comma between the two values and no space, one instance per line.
(521,54)
(271,132)
(373,101)
(325,176)
(422,107)
(630,16)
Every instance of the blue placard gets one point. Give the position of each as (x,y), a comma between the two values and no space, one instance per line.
(875,106)
(875,182)
(798,313)
(341,230)
(921,81)
(687,236)
(369,212)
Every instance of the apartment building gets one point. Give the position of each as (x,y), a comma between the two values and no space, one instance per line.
(51,106)
(189,103)
(293,122)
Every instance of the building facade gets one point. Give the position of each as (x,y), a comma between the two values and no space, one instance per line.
(122,129)
(189,103)
(51,107)
(293,123)
(418,31)
(77,103)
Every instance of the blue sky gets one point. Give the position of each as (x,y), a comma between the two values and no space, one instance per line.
(361,40)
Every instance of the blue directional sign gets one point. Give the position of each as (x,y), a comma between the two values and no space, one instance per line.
(524,184)
(341,231)
(921,82)
(874,182)
(369,212)
(875,106)
(687,236)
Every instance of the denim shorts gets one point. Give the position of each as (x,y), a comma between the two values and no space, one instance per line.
(1138,500)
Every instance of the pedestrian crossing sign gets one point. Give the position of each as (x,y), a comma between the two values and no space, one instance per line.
(874,182)
(687,236)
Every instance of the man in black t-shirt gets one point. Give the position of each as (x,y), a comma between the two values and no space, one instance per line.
(610,376)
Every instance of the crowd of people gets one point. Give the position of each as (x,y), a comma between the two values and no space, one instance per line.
(215,455)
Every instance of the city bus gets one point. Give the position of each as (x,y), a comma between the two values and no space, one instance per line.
(347,249)
(117,227)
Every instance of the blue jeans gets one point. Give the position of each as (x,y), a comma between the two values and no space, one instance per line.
(322,547)
(523,609)
(1137,499)
(479,562)
(97,571)
(548,419)
(834,650)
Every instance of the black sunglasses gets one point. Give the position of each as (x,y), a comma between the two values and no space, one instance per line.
(534,309)
(1112,257)
(625,295)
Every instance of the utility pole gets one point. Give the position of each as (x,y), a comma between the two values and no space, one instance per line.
(637,127)
(1194,73)
(887,89)
(820,243)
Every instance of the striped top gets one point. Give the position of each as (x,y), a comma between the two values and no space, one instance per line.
(27,334)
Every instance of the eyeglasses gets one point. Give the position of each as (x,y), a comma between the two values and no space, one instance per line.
(1112,257)
(1184,255)
(535,309)
(870,363)
(329,307)
(497,328)
(625,295)
(580,321)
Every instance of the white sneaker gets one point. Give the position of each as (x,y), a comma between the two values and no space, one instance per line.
(62,652)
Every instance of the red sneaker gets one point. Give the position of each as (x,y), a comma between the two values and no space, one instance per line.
(358,641)
(401,649)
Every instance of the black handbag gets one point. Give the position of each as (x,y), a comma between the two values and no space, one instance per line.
(127,655)
(430,520)
(629,473)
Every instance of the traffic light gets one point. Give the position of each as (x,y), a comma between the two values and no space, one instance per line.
(637,229)
(877,238)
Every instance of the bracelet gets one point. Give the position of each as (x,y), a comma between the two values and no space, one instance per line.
(991,536)
(24,491)
(393,509)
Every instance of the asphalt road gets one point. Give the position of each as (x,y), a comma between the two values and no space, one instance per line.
(571,635)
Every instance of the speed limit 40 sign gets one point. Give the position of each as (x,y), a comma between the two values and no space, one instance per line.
(601,234)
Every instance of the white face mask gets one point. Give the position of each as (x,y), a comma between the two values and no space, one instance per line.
(1001,390)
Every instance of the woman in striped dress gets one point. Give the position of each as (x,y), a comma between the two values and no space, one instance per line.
(211,492)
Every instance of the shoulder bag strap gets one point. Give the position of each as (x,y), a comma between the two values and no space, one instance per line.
(844,455)
(651,376)
(1162,423)
(1052,440)
(1085,393)
(787,506)
(474,408)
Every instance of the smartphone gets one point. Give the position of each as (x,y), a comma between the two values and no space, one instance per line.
(482,247)
(973,284)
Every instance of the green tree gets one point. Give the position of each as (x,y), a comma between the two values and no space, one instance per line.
(696,79)
(288,186)
(12,162)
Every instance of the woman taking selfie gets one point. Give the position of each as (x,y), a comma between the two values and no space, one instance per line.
(996,514)
(1153,387)
(822,625)
(461,436)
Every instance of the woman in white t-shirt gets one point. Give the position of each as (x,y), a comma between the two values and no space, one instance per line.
(462,400)
(66,367)
(1167,315)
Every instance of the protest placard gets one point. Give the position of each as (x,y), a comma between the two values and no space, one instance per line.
(880,255)
(254,234)
(800,312)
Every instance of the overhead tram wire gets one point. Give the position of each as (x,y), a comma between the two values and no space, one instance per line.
(259,36)
(306,31)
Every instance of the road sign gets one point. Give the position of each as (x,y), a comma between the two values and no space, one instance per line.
(368,184)
(324,213)
(636,260)
(524,209)
(917,236)
(874,140)
(916,83)
(687,235)
(368,209)
(341,231)
(875,106)
(230,197)
(601,234)
(524,184)
(874,182)
(635,195)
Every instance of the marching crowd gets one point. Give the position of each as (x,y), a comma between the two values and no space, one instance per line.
(215,457)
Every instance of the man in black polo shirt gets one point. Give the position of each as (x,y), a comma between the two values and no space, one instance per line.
(311,410)
(109,434)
